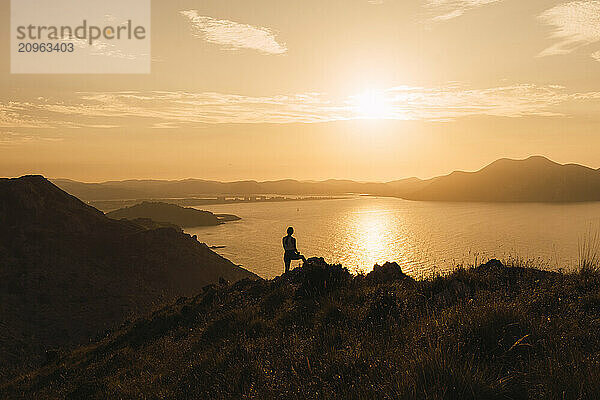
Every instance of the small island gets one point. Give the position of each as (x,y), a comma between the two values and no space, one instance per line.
(172,214)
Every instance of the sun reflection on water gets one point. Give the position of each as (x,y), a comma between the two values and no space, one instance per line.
(371,236)
(369,240)
(375,235)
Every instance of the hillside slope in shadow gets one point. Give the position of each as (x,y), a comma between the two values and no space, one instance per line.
(68,273)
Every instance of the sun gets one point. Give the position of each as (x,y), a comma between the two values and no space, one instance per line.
(371,104)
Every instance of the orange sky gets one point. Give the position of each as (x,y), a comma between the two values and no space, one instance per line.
(366,90)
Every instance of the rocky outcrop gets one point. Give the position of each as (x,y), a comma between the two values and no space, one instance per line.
(386,272)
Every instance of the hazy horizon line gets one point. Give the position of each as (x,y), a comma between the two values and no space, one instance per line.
(301,180)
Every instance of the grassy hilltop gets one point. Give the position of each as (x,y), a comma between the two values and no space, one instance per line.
(491,332)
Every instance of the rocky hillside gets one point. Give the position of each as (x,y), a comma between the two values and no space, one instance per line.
(491,332)
(69,273)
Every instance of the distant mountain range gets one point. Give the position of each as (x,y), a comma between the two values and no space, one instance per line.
(159,189)
(535,179)
(68,272)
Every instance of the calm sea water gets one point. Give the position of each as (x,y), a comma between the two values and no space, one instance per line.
(423,237)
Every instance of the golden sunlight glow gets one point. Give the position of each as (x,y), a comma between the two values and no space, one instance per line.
(371,104)
(371,236)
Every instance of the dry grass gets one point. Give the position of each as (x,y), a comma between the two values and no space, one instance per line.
(589,251)
(490,332)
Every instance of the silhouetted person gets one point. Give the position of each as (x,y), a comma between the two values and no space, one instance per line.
(291,252)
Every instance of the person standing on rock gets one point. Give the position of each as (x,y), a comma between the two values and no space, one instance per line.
(290,250)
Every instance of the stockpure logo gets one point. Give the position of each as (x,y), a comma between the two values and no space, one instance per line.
(80,36)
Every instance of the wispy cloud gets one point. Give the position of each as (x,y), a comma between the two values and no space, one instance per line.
(575,24)
(17,114)
(184,109)
(9,138)
(455,101)
(444,10)
(233,35)
(168,109)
